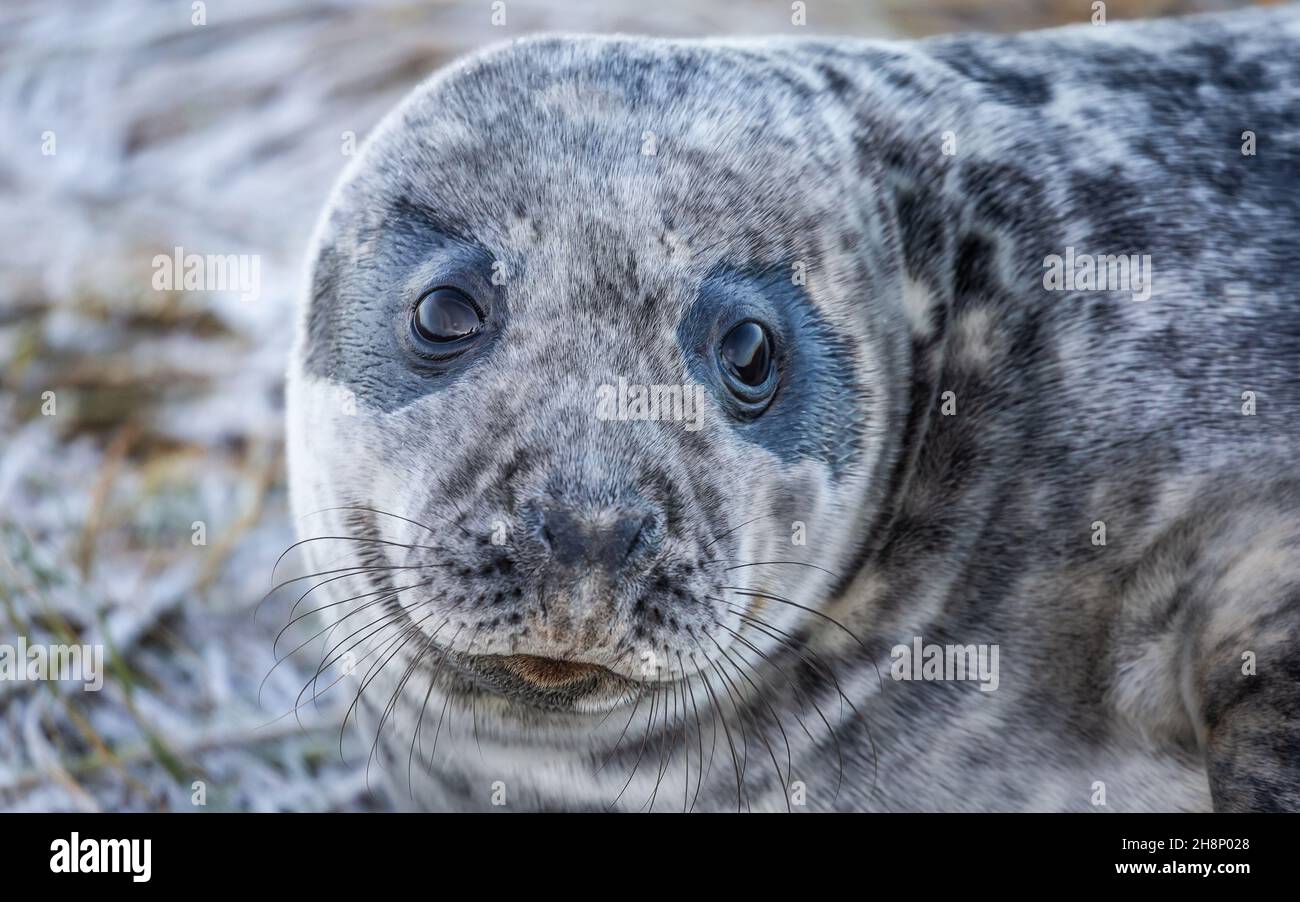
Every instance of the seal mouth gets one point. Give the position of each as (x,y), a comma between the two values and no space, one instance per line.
(549,673)
(548,683)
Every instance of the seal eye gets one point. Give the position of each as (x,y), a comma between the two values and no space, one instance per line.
(746,354)
(446,315)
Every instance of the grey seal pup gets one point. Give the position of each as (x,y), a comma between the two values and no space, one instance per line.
(818,424)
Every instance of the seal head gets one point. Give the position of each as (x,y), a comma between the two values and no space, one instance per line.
(585,353)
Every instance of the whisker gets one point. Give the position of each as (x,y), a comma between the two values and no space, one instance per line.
(794,687)
(358,570)
(294,610)
(383,623)
(772,563)
(831,620)
(639,695)
(686,746)
(373,510)
(672,748)
(406,676)
(391,591)
(405,634)
(329,628)
(416,736)
(361,539)
(280,660)
(699,736)
(446,701)
(728,532)
(740,722)
(789,758)
(720,718)
(654,697)
(820,666)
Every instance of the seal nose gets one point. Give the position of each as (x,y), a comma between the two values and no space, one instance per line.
(608,539)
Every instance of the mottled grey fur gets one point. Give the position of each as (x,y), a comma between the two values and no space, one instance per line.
(1121,664)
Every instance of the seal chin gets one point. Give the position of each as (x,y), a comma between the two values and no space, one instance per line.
(549,683)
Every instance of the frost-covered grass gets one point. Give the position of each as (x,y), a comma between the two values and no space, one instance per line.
(222,139)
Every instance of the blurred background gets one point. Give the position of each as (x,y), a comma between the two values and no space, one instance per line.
(128,129)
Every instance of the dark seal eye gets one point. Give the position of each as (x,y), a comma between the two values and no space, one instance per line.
(746,354)
(446,315)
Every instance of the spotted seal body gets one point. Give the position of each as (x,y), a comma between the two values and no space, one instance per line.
(949,446)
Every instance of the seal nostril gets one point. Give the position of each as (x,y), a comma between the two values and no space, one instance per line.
(603,540)
(631,536)
(646,536)
(563,535)
(625,536)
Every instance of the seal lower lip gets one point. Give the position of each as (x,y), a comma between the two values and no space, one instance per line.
(550,673)
(547,683)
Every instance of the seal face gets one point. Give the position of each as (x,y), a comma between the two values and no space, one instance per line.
(487,318)
(687,379)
